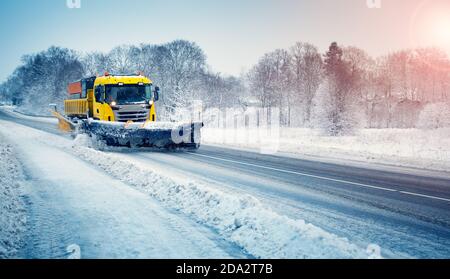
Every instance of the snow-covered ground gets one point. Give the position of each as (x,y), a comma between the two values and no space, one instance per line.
(98,208)
(240,219)
(426,149)
(71,203)
(12,214)
(222,221)
(12,110)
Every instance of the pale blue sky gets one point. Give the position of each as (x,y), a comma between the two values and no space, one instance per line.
(233,33)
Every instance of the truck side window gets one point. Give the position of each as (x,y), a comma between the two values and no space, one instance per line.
(148,92)
(99,94)
(83,89)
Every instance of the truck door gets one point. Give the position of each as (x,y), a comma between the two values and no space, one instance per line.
(98,102)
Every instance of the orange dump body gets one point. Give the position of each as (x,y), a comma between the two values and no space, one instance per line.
(74,88)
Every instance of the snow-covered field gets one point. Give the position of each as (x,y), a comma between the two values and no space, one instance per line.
(13,215)
(426,149)
(240,220)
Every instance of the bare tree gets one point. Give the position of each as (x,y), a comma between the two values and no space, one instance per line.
(361,67)
(96,63)
(123,60)
(181,65)
(307,70)
(281,60)
(261,78)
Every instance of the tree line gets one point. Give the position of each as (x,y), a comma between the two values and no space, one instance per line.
(345,88)
(178,67)
(337,91)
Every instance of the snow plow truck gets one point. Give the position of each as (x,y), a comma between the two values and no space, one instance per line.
(120,110)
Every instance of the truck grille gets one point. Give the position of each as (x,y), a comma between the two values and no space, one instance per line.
(135,116)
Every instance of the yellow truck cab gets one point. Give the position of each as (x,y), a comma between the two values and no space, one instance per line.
(115,98)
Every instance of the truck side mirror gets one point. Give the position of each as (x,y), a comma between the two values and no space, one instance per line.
(156,94)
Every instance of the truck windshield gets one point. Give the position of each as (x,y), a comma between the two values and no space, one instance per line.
(128,93)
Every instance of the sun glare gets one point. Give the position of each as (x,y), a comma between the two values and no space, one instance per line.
(442,31)
(430,24)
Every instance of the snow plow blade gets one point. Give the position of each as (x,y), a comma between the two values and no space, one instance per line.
(154,134)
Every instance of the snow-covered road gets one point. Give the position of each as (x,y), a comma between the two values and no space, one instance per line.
(233,201)
(72,202)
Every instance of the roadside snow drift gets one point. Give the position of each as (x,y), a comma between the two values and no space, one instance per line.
(240,219)
(12,214)
(13,112)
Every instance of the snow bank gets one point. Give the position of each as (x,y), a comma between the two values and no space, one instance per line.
(240,219)
(13,112)
(33,109)
(12,214)
(427,149)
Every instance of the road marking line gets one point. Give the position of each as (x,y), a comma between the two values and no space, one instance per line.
(320,177)
(298,173)
(425,196)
